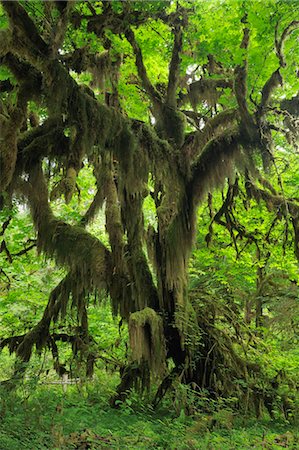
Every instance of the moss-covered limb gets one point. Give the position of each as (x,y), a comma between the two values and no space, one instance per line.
(26,38)
(95,124)
(93,209)
(117,22)
(72,286)
(47,139)
(240,86)
(272,83)
(274,202)
(290,106)
(279,43)
(206,89)
(71,246)
(264,182)
(13,116)
(175,235)
(144,291)
(174,67)
(24,73)
(59,30)
(213,127)
(151,91)
(11,342)
(40,333)
(63,95)
(120,283)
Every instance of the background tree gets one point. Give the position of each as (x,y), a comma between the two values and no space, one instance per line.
(165,101)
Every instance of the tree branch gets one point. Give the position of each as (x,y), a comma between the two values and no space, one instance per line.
(174,67)
(241,83)
(60,28)
(25,250)
(272,83)
(279,43)
(212,128)
(276,79)
(151,91)
(70,245)
(38,142)
(25,36)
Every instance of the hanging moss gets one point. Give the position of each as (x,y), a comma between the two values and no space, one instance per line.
(66,186)
(207,90)
(10,122)
(147,339)
(226,150)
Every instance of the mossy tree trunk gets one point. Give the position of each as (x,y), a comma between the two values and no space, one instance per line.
(124,154)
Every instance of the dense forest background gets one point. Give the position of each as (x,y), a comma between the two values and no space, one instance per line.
(149,224)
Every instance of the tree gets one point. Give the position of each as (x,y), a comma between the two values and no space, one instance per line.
(170,130)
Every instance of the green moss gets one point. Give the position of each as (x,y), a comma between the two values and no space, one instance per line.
(147,339)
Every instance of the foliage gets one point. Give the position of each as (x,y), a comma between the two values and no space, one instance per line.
(149,155)
(50,419)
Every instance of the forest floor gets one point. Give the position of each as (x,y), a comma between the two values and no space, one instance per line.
(45,417)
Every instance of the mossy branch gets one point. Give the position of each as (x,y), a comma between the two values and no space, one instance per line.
(71,246)
(279,43)
(275,79)
(174,67)
(93,209)
(151,91)
(25,35)
(213,127)
(272,83)
(60,27)
(241,82)
(38,142)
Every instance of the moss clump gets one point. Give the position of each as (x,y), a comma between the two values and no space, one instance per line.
(147,339)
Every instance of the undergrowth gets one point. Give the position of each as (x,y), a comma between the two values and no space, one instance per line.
(44,416)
